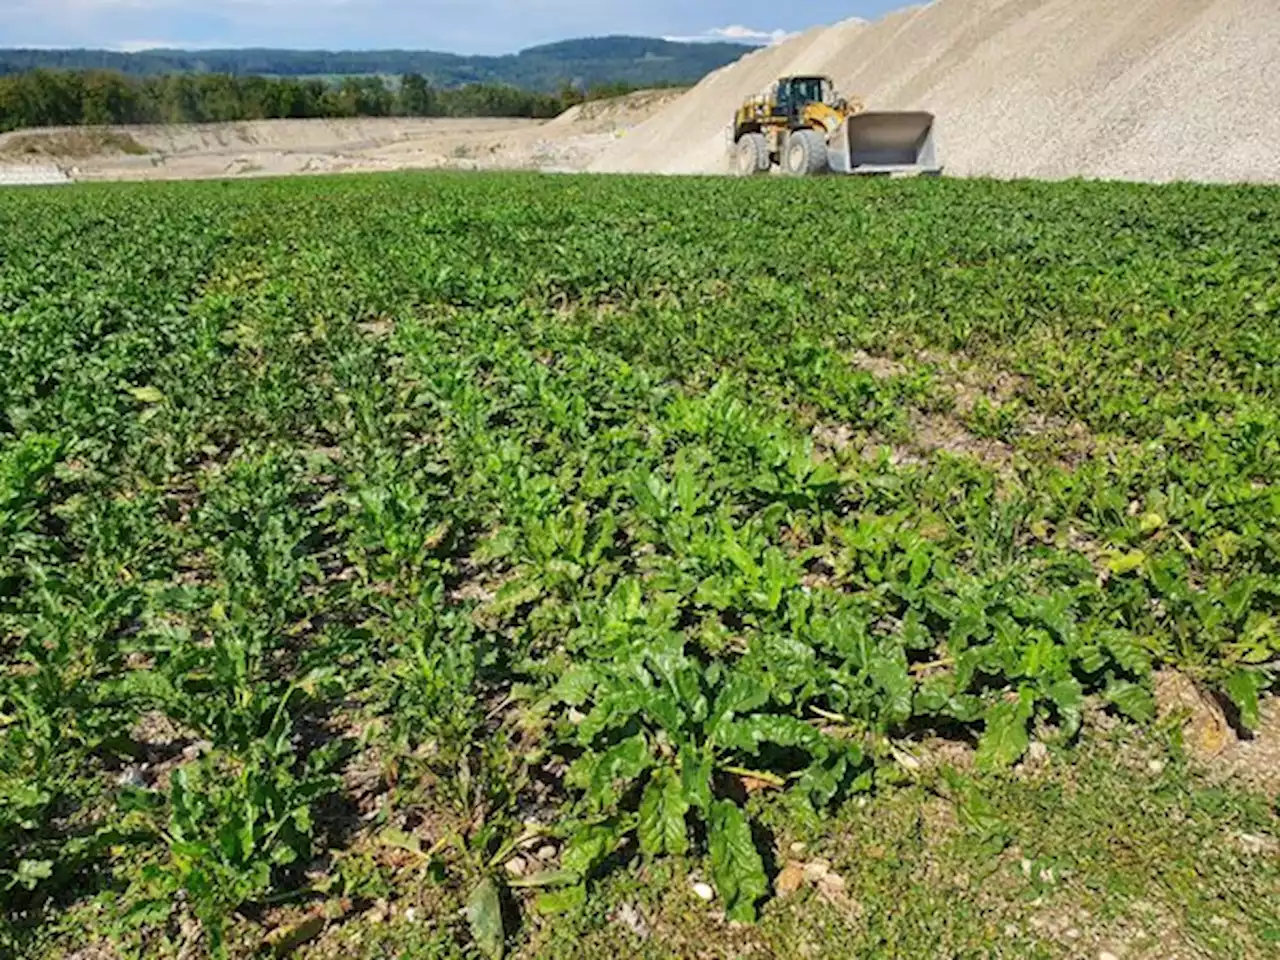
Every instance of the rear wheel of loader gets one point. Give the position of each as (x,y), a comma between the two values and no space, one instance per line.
(806,154)
(751,158)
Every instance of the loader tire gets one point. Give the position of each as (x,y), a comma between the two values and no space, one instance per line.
(751,156)
(806,154)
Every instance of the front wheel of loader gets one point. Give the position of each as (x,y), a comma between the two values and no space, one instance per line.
(751,156)
(806,154)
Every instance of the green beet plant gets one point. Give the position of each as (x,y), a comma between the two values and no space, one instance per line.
(662,739)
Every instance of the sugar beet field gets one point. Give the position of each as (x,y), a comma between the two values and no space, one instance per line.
(459,566)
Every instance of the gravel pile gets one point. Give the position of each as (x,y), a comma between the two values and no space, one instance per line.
(1131,89)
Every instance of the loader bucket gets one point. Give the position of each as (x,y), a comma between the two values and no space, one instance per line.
(885,143)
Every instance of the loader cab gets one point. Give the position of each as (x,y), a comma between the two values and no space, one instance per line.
(795,93)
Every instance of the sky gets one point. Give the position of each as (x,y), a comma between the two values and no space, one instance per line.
(461,26)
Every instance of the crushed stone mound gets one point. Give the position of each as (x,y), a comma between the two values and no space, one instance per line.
(1155,90)
(68,144)
(613,113)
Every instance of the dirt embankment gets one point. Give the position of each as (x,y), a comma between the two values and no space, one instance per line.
(615,114)
(281,147)
(1133,89)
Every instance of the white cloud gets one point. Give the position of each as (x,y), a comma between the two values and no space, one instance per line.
(133,46)
(736,34)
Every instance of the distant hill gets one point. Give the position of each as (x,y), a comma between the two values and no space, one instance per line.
(634,61)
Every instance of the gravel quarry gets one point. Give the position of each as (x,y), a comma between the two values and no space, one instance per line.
(1153,90)
(1147,90)
(293,147)
(268,147)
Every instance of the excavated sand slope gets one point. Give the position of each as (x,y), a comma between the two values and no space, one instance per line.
(1130,89)
(613,114)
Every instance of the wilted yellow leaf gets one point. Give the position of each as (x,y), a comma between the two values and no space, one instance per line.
(146,394)
(1122,563)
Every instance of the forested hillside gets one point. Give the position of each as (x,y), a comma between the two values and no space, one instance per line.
(636,61)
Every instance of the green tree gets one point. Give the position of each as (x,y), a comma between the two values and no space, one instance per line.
(109,98)
(219,98)
(416,98)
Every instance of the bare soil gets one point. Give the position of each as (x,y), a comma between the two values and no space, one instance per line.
(264,148)
(70,144)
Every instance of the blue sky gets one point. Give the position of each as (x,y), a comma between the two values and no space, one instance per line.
(465,26)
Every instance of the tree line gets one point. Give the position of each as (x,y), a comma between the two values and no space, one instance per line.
(53,98)
(642,61)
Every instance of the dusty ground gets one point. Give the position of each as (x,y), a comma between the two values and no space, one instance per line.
(285,147)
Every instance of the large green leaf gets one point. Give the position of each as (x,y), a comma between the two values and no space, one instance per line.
(662,816)
(748,733)
(740,693)
(736,866)
(1005,738)
(1243,688)
(616,767)
(1128,652)
(556,902)
(575,686)
(1132,700)
(896,688)
(695,776)
(588,847)
(821,780)
(484,917)
(1068,697)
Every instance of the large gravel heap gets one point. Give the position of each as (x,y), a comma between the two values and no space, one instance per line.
(1131,89)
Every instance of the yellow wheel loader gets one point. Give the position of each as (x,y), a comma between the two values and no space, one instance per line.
(804,127)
